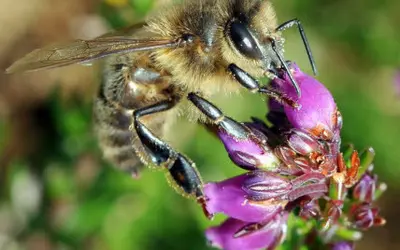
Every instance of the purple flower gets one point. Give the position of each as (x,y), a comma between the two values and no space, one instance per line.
(303,143)
(261,186)
(342,245)
(229,197)
(310,209)
(259,195)
(365,188)
(268,236)
(364,216)
(294,167)
(317,112)
(250,153)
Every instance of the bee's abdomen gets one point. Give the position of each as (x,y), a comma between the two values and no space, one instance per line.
(116,139)
(127,86)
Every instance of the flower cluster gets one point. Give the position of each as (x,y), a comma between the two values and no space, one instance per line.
(295,169)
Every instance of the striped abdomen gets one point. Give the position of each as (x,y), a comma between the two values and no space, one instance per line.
(127,86)
(115,137)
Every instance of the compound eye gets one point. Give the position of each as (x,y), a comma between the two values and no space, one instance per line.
(243,40)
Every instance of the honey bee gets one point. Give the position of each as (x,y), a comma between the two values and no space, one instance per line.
(197,48)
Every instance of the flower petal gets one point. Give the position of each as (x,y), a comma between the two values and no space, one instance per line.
(228,197)
(318,110)
(270,235)
(251,153)
(342,245)
(263,185)
(302,142)
(363,215)
(364,190)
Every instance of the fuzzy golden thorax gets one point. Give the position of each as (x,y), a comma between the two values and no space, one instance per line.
(202,65)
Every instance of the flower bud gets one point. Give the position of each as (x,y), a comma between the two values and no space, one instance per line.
(364,216)
(317,113)
(268,236)
(305,164)
(302,143)
(287,155)
(310,209)
(364,190)
(333,211)
(250,153)
(342,245)
(263,185)
(228,197)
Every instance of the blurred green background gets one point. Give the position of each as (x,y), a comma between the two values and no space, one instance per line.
(57,193)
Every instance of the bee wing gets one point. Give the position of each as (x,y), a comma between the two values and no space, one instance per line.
(84,51)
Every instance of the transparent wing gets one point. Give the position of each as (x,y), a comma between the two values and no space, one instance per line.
(83,51)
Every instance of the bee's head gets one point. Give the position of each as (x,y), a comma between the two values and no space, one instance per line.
(253,46)
(251,32)
(254,38)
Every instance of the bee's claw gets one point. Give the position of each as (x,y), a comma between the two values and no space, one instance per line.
(203,203)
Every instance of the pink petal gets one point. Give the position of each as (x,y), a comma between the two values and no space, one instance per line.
(228,197)
(222,236)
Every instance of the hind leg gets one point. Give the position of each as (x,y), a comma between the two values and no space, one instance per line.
(181,170)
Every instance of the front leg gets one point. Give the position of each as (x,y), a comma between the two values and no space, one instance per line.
(181,170)
(253,85)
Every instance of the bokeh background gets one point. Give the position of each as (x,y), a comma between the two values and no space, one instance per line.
(57,193)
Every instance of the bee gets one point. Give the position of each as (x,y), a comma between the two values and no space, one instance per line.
(196,48)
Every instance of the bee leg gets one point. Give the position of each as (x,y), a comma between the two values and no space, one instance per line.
(158,151)
(181,170)
(234,128)
(252,84)
(297,22)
